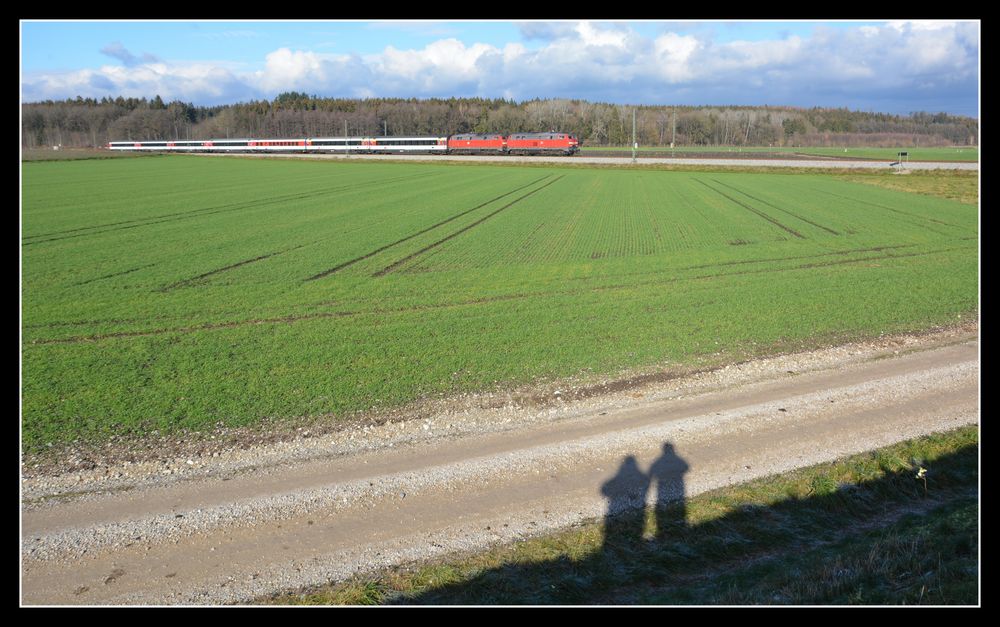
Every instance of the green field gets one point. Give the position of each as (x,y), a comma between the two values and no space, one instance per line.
(183,292)
(957,153)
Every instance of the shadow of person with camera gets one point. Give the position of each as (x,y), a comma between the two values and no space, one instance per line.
(671,510)
(626,514)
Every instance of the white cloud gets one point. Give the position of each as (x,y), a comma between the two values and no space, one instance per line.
(921,25)
(285,69)
(513,51)
(595,61)
(673,54)
(593,36)
(197,82)
(736,58)
(444,58)
(438,69)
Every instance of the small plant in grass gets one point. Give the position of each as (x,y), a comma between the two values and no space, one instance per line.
(922,475)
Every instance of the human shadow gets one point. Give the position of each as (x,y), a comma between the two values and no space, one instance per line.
(671,509)
(625,542)
(625,519)
(627,493)
(660,567)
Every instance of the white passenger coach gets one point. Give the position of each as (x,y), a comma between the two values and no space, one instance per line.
(367,145)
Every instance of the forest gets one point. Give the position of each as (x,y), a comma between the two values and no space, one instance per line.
(88,122)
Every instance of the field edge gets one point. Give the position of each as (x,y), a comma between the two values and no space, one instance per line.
(541,396)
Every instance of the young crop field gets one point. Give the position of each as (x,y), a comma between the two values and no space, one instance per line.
(184,292)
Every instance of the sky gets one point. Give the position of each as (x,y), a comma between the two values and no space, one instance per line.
(886,66)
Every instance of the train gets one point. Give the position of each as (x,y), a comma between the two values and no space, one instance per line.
(545,143)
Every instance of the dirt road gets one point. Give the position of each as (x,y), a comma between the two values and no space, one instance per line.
(251,523)
(625,160)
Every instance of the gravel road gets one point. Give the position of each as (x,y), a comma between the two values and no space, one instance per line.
(253,522)
(578,159)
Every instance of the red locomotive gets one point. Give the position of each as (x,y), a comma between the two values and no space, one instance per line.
(542,143)
(477,144)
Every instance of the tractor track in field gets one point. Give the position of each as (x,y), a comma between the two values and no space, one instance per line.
(238,264)
(351,262)
(875,249)
(289,319)
(114,274)
(208,326)
(753,261)
(391,267)
(464,474)
(905,213)
(55,324)
(86,323)
(794,215)
(233,266)
(205,211)
(753,210)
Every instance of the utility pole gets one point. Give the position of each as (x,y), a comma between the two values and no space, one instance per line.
(673,134)
(635,145)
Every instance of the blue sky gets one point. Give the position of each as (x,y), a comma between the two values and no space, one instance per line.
(896,67)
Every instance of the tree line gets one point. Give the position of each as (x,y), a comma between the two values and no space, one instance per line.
(84,122)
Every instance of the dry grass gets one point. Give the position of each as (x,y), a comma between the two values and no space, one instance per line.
(960,185)
(73,154)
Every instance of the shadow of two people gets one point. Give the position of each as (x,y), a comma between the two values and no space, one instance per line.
(627,494)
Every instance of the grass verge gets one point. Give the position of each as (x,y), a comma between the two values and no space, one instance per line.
(940,153)
(862,530)
(76,154)
(960,185)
